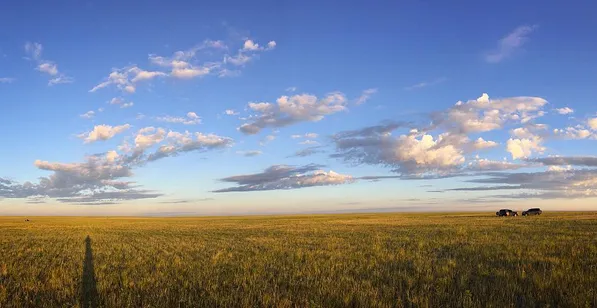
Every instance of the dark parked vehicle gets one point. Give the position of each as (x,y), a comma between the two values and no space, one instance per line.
(506,212)
(533,211)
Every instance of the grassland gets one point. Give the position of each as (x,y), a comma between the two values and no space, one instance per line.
(366,260)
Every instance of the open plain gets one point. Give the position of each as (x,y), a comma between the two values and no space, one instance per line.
(365,260)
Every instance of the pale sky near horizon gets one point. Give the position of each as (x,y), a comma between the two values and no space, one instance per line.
(229,107)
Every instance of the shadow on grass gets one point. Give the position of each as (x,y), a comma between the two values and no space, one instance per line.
(89,287)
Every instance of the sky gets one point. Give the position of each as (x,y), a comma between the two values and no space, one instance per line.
(168,108)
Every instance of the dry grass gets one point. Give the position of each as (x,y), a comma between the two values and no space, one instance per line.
(367,260)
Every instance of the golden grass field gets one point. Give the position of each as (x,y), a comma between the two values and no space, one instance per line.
(362,260)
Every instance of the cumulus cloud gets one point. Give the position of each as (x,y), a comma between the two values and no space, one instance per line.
(96,180)
(100,178)
(103,132)
(248,52)
(190,119)
(285,177)
(231,112)
(149,136)
(88,115)
(564,111)
(289,110)
(440,148)
(48,67)
(34,51)
(509,44)
(578,132)
(408,153)
(592,123)
(523,148)
(485,114)
(481,144)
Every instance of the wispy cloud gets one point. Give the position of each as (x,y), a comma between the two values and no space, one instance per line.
(365,96)
(285,177)
(425,84)
(7,80)
(249,153)
(34,51)
(190,119)
(509,44)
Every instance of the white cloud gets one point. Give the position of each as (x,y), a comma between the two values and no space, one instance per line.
(484,114)
(184,64)
(48,67)
(291,89)
(409,154)
(190,119)
(103,132)
(34,50)
(564,111)
(523,148)
(578,132)
(149,136)
(6,80)
(365,96)
(121,102)
(592,123)
(88,115)
(481,144)
(144,75)
(231,112)
(508,45)
(250,45)
(111,156)
(61,79)
(289,110)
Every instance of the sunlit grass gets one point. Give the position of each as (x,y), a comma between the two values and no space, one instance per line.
(367,260)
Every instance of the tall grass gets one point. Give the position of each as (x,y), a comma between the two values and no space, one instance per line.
(368,260)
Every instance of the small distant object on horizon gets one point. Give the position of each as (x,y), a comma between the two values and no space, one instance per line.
(506,212)
(533,211)
(26,219)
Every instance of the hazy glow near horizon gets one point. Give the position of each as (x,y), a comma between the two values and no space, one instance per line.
(207,112)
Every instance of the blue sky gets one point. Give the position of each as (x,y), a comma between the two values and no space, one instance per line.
(164,108)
